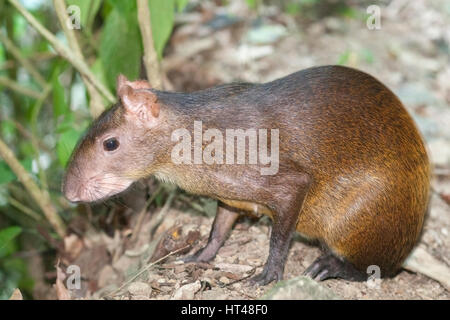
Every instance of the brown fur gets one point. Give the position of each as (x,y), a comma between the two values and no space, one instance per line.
(354,172)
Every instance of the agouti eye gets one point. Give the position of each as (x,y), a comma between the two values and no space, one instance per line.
(110,144)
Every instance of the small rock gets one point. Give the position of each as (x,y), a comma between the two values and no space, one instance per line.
(224,280)
(139,289)
(439,152)
(208,272)
(300,288)
(187,291)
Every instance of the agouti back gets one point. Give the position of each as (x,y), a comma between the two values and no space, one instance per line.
(352,170)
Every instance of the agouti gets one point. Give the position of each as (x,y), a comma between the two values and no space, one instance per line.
(343,164)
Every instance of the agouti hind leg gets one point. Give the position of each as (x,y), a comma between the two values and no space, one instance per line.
(329,266)
(223,222)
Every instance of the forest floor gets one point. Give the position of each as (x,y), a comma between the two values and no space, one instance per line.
(410,54)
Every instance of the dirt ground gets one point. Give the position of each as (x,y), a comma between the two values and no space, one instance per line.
(410,54)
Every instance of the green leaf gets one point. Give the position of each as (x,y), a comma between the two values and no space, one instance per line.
(181,4)
(124,7)
(252,4)
(293,8)
(4,194)
(6,174)
(344,57)
(67,142)
(8,234)
(66,123)
(162,14)
(88,10)
(98,70)
(367,55)
(2,54)
(19,26)
(60,106)
(120,46)
(7,129)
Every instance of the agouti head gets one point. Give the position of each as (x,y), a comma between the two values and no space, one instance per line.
(109,158)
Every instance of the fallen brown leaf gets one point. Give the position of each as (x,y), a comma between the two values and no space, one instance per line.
(173,240)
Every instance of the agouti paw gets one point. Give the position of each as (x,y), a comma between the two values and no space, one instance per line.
(329,266)
(266,277)
(201,255)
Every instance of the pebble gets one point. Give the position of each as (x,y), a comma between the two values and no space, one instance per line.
(139,289)
(224,280)
(187,292)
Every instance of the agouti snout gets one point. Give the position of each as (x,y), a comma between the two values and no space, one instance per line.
(327,151)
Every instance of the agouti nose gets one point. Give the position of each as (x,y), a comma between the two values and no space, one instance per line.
(71,192)
(72,197)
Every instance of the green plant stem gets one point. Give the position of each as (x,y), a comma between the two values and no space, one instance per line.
(41,197)
(36,109)
(15,51)
(4,81)
(96,101)
(29,212)
(65,52)
(27,135)
(151,62)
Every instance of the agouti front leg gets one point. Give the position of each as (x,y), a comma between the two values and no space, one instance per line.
(223,222)
(285,215)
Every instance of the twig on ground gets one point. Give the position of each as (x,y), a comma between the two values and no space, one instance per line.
(147,267)
(251,273)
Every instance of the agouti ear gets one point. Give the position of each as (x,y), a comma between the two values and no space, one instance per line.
(121,82)
(141,103)
(138,84)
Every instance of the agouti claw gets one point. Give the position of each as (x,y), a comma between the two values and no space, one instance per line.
(329,266)
(265,278)
(201,255)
